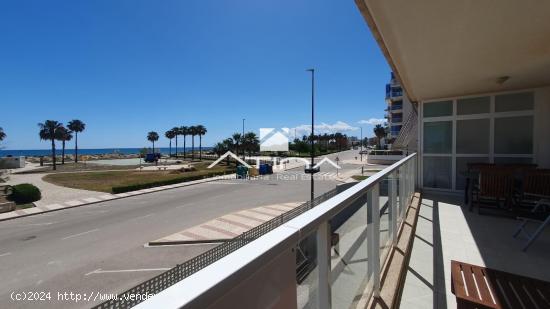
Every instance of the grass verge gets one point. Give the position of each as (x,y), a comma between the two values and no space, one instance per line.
(124,181)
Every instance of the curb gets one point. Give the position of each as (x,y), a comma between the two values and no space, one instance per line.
(115,197)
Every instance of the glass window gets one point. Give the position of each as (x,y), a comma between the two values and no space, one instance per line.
(472,136)
(438,137)
(514,102)
(514,135)
(462,167)
(438,109)
(473,106)
(437,172)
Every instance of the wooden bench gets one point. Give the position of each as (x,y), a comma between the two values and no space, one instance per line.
(481,287)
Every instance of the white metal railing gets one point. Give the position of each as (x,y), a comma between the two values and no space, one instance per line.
(353,230)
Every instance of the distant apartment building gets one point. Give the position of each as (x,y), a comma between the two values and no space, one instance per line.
(400,113)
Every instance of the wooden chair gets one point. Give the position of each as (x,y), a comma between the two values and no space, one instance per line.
(480,287)
(472,174)
(536,188)
(495,185)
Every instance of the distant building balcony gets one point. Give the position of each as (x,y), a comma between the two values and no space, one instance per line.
(393,91)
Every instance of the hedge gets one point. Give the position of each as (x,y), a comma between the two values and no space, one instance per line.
(158,183)
(25,193)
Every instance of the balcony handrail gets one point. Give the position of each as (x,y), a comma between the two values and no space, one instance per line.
(206,286)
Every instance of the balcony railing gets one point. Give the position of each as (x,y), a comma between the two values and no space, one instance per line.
(342,242)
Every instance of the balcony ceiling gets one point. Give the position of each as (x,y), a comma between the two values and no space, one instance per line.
(445,48)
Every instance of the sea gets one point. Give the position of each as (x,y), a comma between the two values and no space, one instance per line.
(84,151)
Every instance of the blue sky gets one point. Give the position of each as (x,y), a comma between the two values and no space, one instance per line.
(129,67)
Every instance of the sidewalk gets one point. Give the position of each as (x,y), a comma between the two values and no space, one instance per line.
(226,227)
(99,197)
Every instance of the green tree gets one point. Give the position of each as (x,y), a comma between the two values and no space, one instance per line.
(193,132)
(237,141)
(177,131)
(201,130)
(251,143)
(184,130)
(153,137)
(170,134)
(63,135)
(380,132)
(76,126)
(48,131)
(2,134)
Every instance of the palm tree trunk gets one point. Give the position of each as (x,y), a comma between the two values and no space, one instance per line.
(170,149)
(176,145)
(184,147)
(75,147)
(153,147)
(192,147)
(200,147)
(63,153)
(53,154)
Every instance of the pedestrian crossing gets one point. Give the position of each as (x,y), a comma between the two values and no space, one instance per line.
(301,174)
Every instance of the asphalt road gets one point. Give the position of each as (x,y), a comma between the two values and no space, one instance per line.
(100,248)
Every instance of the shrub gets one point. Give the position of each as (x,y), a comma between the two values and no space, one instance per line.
(158,183)
(25,193)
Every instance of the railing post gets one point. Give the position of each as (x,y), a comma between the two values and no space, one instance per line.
(323,263)
(373,237)
(402,172)
(393,207)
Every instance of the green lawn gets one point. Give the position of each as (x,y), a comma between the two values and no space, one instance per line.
(105,181)
(359,177)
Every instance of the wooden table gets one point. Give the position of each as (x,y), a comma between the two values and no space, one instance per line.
(481,287)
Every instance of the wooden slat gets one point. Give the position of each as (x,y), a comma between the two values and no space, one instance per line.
(534,297)
(482,284)
(505,294)
(470,285)
(458,284)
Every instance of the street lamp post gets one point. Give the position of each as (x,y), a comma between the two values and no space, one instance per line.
(242,139)
(312,170)
(361,141)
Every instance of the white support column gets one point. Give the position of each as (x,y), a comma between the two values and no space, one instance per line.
(323,263)
(373,237)
(393,206)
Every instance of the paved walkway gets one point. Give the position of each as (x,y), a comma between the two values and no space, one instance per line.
(226,227)
(51,194)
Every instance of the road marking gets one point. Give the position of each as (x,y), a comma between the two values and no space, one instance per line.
(100,271)
(5,254)
(80,234)
(39,224)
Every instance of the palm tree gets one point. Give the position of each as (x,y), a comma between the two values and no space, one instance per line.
(48,131)
(201,130)
(237,139)
(251,143)
(170,134)
(63,135)
(380,132)
(193,131)
(177,131)
(184,131)
(153,137)
(2,134)
(76,126)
